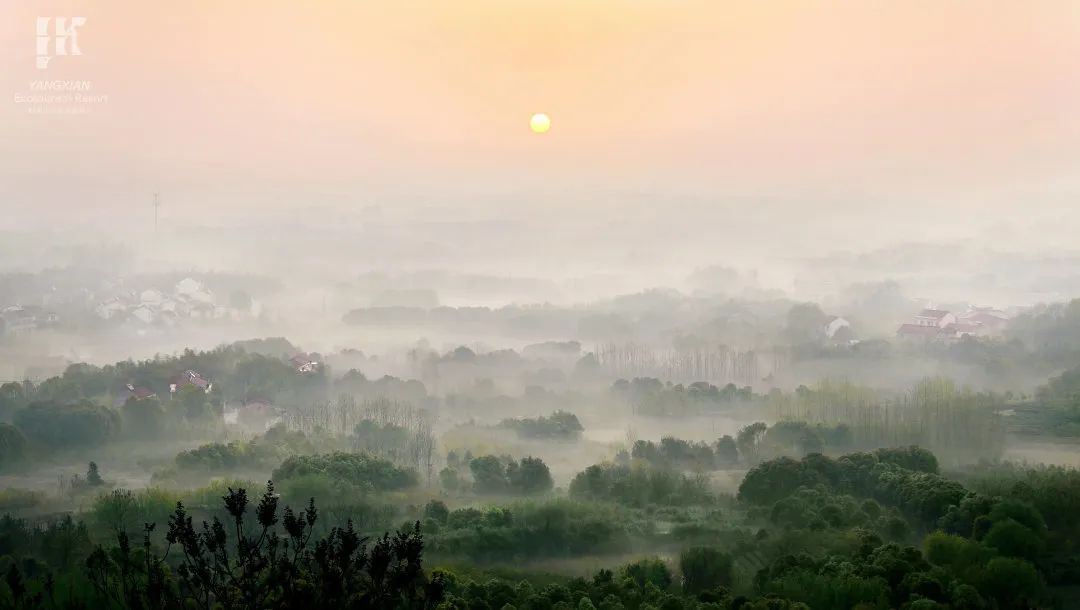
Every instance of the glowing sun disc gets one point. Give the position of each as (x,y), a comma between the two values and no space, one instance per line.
(540,123)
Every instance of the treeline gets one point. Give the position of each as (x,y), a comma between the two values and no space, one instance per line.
(259,556)
(1054,410)
(651,396)
(874,530)
(495,475)
(242,372)
(996,551)
(560,425)
(639,485)
(956,423)
(88,406)
(237,458)
(752,443)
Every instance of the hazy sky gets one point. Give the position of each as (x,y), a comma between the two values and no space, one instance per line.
(907,119)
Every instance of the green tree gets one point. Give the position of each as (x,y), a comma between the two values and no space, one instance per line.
(12,445)
(705,568)
(531,476)
(1012,582)
(1012,539)
(727,452)
(437,511)
(748,440)
(650,570)
(805,324)
(144,419)
(81,424)
(489,475)
(12,398)
(93,477)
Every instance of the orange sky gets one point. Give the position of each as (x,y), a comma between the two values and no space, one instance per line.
(968,101)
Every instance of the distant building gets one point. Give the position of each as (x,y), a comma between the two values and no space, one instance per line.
(918,332)
(190,378)
(959,330)
(934,317)
(111,308)
(143,314)
(21,319)
(151,297)
(990,321)
(304,363)
(140,392)
(193,290)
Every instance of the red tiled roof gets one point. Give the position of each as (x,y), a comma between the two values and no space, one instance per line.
(190,378)
(141,392)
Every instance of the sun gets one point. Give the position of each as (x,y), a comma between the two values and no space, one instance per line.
(540,123)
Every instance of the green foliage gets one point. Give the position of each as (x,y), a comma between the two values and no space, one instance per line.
(12,398)
(918,493)
(124,510)
(260,453)
(360,471)
(263,558)
(748,439)
(957,423)
(1008,537)
(12,446)
(727,452)
(145,419)
(705,568)
(649,571)
(638,485)
(93,477)
(530,476)
(560,425)
(555,528)
(80,424)
(14,500)
(676,453)
(651,396)
(493,475)
(437,511)
(776,479)
(489,474)
(1013,582)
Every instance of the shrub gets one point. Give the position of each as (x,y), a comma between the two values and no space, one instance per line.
(638,485)
(493,475)
(559,425)
(360,470)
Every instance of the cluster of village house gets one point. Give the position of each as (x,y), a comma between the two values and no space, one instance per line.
(189,299)
(21,319)
(943,325)
(255,410)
